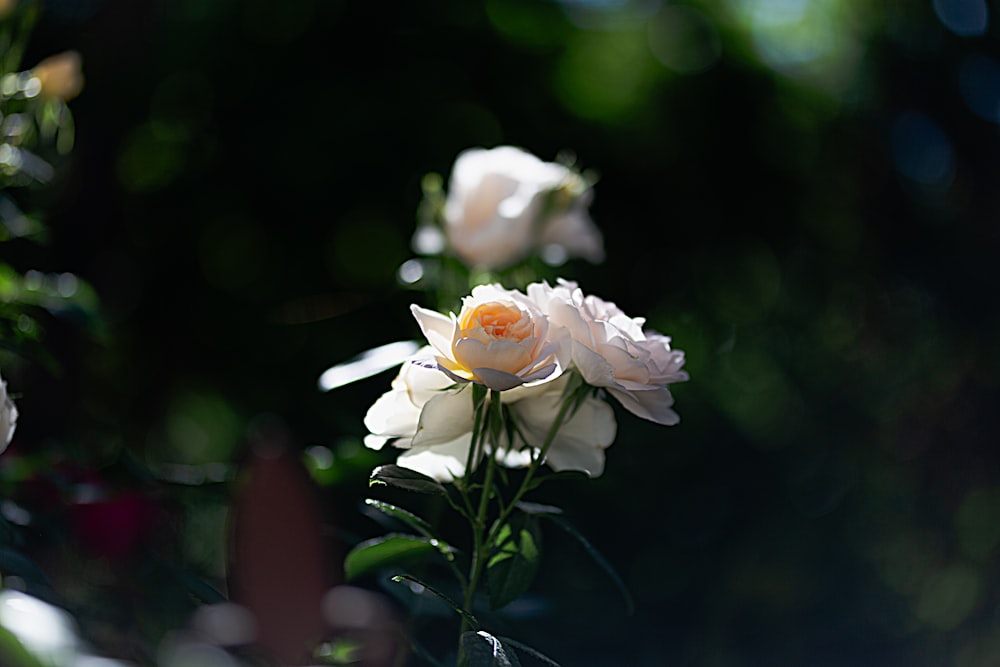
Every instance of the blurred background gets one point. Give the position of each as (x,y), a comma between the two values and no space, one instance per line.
(803,194)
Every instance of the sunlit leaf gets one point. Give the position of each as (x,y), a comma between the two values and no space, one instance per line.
(484,650)
(419,587)
(404,478)
(367,364)
(407,517)
(388,551)
(514,560)
(14,651)
(555,515)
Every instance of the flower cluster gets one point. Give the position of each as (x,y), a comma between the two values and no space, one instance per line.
(535,347)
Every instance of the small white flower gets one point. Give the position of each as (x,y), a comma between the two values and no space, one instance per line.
(504,203)
(611,350)
(500,339)
(8,416)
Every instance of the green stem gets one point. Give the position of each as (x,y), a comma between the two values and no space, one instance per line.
(492,423)
(532,469)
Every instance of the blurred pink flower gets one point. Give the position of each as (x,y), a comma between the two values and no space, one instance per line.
(504,203)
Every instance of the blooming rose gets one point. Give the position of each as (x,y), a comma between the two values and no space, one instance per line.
(8,417)
(433,420)
(611,350)
(503,203)
(500,339)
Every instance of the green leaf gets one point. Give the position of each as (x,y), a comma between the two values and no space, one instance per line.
(514,560)
(555,515)
(530,651)
(14,653)
(388,551)
(404,478)
(411,580)
(537,509)
(407,517)
(479,393)
(484,650)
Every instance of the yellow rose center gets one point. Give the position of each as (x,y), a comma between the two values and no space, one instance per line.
(494,335)
(498,321)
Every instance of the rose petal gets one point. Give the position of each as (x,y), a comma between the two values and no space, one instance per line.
(497,380)
(653,404)
(444,462)
(437,328)
(444,418)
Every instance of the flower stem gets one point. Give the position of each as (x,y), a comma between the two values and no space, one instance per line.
(532,469)
(492,422)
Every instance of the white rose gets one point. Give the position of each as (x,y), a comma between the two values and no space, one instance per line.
(611,350)
(499,339)
(580,442)
(503,203)
(8,416)
(433,421)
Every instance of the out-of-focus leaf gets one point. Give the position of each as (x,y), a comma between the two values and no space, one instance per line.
(367,364)
(388,551)
(484,650)
(404,478)
(419,587)
(514,560)
(13,653)
(199,588)
(530,651)
(555,515)
(13,562)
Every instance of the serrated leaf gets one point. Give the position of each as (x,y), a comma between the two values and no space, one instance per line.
(411,581)
(407,517)
(484,650)
(555,515)
(387,551)
(404,478)
(514,559)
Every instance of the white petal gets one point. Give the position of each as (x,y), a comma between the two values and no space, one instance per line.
(594,368)
(438,328)
(393,414)
(444,418)
(375,441)
(577,233)
(443,462)
(653,404)
(579,443)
